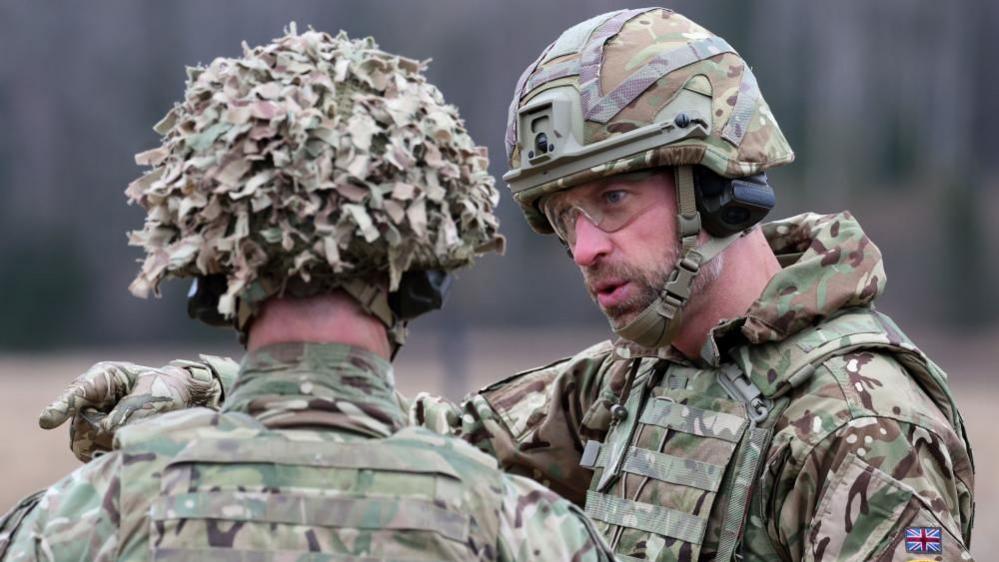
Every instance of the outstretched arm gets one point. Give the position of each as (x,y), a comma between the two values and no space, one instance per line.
(112,394)
(536,423)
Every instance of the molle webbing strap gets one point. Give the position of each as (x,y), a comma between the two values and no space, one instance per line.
(518,93)
(745,107)
(325,511)
(236,555)
(603,109)
(667,468)
(645,517)
(688,419)
(592,54)
(747,464)
(317,454)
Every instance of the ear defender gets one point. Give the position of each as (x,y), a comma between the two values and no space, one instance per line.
(203,300)
(729,206)
(420,291)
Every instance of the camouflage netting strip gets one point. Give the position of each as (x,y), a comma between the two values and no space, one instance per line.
(311,158)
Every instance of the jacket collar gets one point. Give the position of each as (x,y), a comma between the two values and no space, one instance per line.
(829,264)
(318,385)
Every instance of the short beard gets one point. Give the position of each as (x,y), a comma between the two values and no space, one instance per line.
(649,284)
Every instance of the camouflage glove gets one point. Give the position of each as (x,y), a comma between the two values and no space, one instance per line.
(111,394)
(434,413)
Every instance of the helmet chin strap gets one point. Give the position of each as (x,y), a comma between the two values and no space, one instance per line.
(657,325)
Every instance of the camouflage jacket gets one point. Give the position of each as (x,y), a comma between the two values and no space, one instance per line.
(856,451)
(311,458)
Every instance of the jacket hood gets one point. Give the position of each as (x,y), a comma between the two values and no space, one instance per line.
(828,264)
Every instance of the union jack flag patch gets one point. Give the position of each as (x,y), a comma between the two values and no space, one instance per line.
(923,539)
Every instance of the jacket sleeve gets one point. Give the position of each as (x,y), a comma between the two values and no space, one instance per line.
(892,482)
(537,524)
(12,520)
(536,423)
(75,519)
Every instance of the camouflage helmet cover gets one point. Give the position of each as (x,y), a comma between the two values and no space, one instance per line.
(639,89)
(306,162)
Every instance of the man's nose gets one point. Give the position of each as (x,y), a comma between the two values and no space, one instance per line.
(591,243)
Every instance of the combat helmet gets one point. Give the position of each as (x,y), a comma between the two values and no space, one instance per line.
(312,163)
(637,89)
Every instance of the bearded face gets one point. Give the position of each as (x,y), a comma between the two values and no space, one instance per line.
(623,290)
(622,233)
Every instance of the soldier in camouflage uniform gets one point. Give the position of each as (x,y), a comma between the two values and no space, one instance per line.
(320,180)
(755,405)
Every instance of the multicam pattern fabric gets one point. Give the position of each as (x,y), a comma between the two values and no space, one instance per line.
(111,394)
(307,161)
(630,66)
(858,447)
(310,459)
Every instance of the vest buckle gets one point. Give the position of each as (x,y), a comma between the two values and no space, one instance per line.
(740,387)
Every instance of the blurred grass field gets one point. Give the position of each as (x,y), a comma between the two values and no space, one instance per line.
(33,458)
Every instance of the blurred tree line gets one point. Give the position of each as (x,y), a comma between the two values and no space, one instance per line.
(886,104)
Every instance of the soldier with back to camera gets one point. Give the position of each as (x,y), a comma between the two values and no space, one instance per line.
(755,406)
(320,190)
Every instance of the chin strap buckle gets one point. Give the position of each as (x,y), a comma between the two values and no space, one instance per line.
(676,293)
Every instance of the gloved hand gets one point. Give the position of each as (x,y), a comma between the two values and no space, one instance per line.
(112,394)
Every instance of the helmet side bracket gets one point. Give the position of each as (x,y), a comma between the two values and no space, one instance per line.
(552,113)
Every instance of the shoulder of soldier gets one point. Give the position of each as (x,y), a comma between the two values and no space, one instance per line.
(538,524)
(465,458)
(588,363)
(149,444)
(591,357)
(853,388)
(861,415)
(533,523)
(177,423)
(11,521)
(74,519)
(862,427)
(518,399)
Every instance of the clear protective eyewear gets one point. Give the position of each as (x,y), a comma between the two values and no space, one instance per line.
(608,205)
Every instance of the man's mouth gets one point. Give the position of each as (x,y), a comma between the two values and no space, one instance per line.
(612,293)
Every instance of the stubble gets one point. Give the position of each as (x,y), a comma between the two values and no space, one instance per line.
(648,282)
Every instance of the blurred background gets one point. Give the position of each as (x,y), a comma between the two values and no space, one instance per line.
(889,106)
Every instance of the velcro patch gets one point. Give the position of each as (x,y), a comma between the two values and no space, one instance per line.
(923,539)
